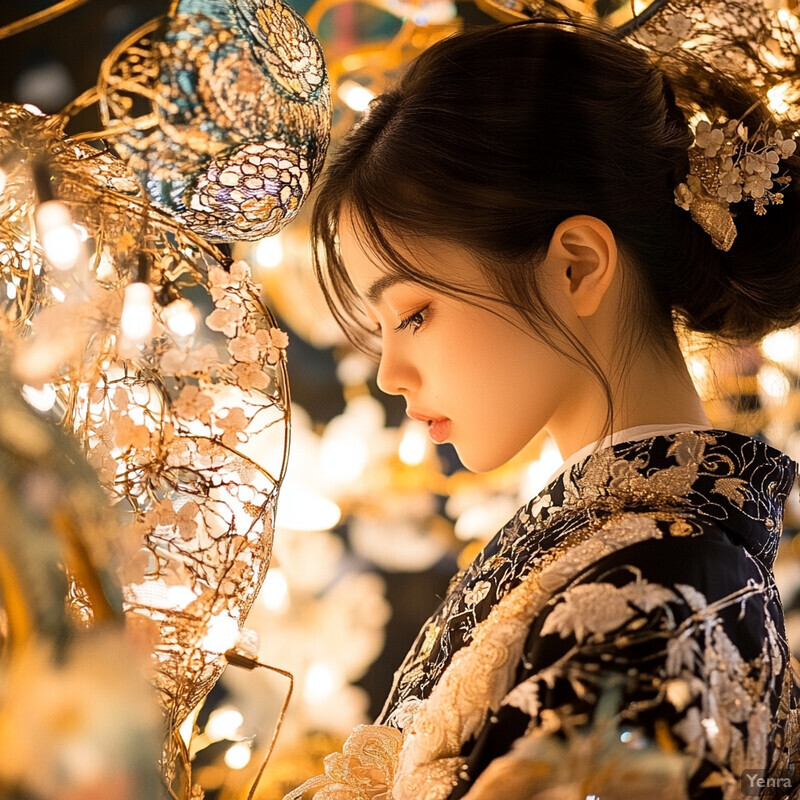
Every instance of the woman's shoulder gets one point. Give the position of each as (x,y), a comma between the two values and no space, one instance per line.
(676,548)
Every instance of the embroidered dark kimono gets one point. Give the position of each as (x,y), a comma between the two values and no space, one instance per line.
(641,573)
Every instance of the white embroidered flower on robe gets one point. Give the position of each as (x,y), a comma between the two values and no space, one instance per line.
(602,607)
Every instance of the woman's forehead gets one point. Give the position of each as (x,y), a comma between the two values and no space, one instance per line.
(408,258)
(359,256)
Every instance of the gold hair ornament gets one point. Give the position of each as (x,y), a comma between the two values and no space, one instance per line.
(729,164)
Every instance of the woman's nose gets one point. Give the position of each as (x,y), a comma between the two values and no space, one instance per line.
(396,373)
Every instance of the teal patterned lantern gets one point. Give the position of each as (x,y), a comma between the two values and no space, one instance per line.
(226,111)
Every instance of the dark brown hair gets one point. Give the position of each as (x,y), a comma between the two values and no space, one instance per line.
(494,136)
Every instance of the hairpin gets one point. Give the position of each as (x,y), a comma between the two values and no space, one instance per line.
(730,164)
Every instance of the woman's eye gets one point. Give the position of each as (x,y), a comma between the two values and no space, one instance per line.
(413,321)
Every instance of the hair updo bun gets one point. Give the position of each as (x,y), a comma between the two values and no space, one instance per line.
(494,136)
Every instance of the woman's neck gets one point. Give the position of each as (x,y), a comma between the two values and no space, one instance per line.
(655,389)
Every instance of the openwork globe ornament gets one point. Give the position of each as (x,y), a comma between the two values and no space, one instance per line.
(225,112)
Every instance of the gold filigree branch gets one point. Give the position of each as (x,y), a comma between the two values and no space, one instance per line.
(40,17)
(82,101)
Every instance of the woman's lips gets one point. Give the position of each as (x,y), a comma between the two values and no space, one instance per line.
(438,427)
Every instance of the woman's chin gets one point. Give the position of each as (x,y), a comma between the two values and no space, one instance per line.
(484,459)
(478,462)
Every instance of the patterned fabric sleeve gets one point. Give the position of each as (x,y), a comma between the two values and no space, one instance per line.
(676,643)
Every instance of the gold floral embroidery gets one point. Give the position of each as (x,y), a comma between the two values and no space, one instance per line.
(670,477)
(735,489)
(480,675)
(478,592)
(431,781)
(593,764)
(364,770)
(602,607)
(431,635)
(681,528)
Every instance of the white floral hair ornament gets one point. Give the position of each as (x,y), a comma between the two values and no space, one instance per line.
(729,164)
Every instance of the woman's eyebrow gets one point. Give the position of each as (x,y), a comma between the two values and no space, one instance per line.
(376,290)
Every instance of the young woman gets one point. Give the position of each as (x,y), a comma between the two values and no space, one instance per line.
(503,227)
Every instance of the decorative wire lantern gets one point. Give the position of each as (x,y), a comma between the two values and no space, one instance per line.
(223,111)
(172,374)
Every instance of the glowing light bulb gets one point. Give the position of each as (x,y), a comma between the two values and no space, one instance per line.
(269,252)
(58,294)
(11,290)
(783,347)
(320,683)
(137,312)
(414,444)
(275,592)
(355,95)
(221,635)
(180,317)
(238,755)
(43,399)
(61,242)
(223,723)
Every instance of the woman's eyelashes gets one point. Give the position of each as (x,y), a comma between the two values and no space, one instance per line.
(414,321)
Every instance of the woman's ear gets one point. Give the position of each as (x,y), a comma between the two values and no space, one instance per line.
(585,252)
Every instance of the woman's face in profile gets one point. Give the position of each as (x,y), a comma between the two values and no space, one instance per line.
(471,370)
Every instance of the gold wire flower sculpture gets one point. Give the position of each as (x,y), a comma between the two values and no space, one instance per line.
(144,340)
(172,374)
(756,41)
(224,113)
(364,770)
